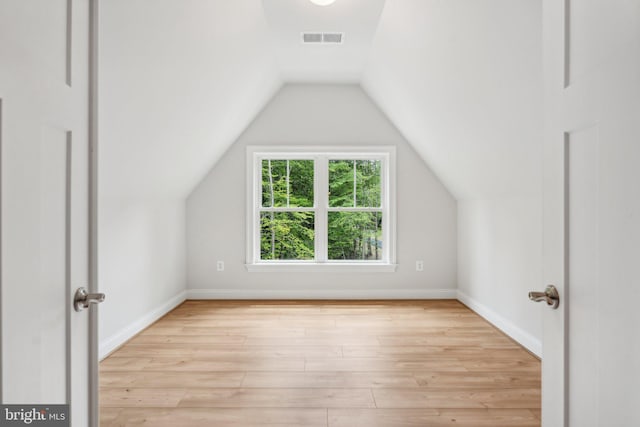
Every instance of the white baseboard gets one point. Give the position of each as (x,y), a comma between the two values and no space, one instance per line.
(116,340)
(525,339)
(322,294)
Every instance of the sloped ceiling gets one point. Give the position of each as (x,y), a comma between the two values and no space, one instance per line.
(179,81)
(461,79)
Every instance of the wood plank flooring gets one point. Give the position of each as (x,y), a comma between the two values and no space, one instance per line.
(320,363)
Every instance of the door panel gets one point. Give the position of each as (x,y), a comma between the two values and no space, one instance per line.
(582,285)
(592,212)
(42,39)
(45,199)
(35,262)
(596,32)
(53,259)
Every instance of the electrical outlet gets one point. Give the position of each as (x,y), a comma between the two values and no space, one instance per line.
(419,265)
(220,266)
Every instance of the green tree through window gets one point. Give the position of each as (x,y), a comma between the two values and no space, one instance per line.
(287,235)
(354,210)
(354,235)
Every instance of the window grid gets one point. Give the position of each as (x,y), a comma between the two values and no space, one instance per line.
(321,208)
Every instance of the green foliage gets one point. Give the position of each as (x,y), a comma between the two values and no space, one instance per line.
(287,235)
(366,174)
(294,189)
(351,235)
(355,236)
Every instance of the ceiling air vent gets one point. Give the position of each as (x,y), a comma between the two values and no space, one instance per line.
(311,37)
(332,38)
(322,38)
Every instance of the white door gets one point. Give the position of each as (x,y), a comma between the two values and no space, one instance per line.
(591,344)
(45,111)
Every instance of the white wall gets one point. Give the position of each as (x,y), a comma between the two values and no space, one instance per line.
(321,114)
(179,81)
(500,261)
(142,265)
(468,97)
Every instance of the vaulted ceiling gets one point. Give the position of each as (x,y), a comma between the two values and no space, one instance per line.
(181,79)
(298,62)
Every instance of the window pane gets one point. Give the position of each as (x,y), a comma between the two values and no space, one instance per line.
(287,183)
(287,235)
(354,183)
(341,183)
(355,235)
(368,188)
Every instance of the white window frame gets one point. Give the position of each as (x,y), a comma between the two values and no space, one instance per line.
(321,157)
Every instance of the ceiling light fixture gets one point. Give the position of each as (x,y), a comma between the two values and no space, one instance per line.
(322,2)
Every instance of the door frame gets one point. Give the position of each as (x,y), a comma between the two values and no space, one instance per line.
(94,32)
(554,181)
(1,253)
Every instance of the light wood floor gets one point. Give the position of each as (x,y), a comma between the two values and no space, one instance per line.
(413,363)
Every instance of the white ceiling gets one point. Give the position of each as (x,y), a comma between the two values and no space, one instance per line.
(357,19)
(179,81)
(461,79)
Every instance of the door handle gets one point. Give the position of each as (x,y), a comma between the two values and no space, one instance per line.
(83,299)
(550,296)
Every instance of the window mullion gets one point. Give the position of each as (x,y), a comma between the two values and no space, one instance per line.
(355,185)
(321,203)
(288,183)
(257,203)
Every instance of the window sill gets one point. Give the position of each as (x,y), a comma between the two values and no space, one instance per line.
(324,268)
